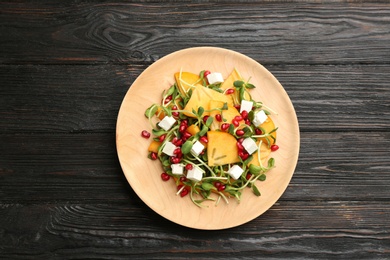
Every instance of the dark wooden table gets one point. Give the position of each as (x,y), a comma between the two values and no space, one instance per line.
(66,66)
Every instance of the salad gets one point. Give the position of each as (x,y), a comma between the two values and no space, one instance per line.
(211,137)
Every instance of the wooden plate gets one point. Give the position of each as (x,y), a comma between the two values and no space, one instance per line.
(144,175)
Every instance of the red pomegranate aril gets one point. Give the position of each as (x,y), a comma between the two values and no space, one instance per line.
(205,119)
(168,99)
(217,184)
(247,121)
(184,192)
(182,128)
(174,107)
(248,176)
(204,139)
(145,134)
(183,179)
(238,107)
(218,117)
(222,187)
(177,151)
(205,73)
(258,131)
(239,147)
(240,140)
(225,126)
(229,91)
(179,187)
(189,167)
(244,114)
(244,156)
(153,156)
(240,132)
(175,160)
(162,138)
(179,142)
(274,147)
(187,135)
(175,114)
(235,122)
(184,122)
(165,176)
(238,118)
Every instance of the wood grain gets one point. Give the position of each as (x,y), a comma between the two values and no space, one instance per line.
(306,33)
(87,98)
(120,231)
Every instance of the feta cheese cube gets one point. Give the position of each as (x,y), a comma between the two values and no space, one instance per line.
(235,172)
(177,168)
(195,174)
(197,148)
(167,122)
(259,118)
(249,145)
(169,148)
(246,105)
(215,78)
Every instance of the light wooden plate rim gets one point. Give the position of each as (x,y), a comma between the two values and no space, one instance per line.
(143,174)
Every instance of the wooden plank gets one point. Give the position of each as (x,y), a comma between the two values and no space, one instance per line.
(270,32)
(347,230)
(87,98)
(84,168)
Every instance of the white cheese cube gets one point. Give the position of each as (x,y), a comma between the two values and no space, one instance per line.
(259,118)
(169,148)
(195,174)
(215,78)
(246,105)
(235,172)
(197,148)
(177,168)
(249,145)
(167,122)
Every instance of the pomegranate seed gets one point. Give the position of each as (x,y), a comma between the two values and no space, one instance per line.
(182,128)
(240,147)
(240,140)
(184,122)
(247,121)
(204,139)
(153,156)
(229,91)
(174,139)
(205,119)
(225,126)
(244,155)
(178,142)
(205,73)
(168,99)
(165,176)
(162,138)
(238,118)
(258,131)
(235,122)
(175,114)
(221,188)
(248,176)
(240,132)
(184,192)
(174,107)
(177,151)
(189,167)
(237,107)
(179,187)
(187,135)
(244,114)
(217,184)
(218,117)
(175,160)
(145,134)
(274,147)
(183,178)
